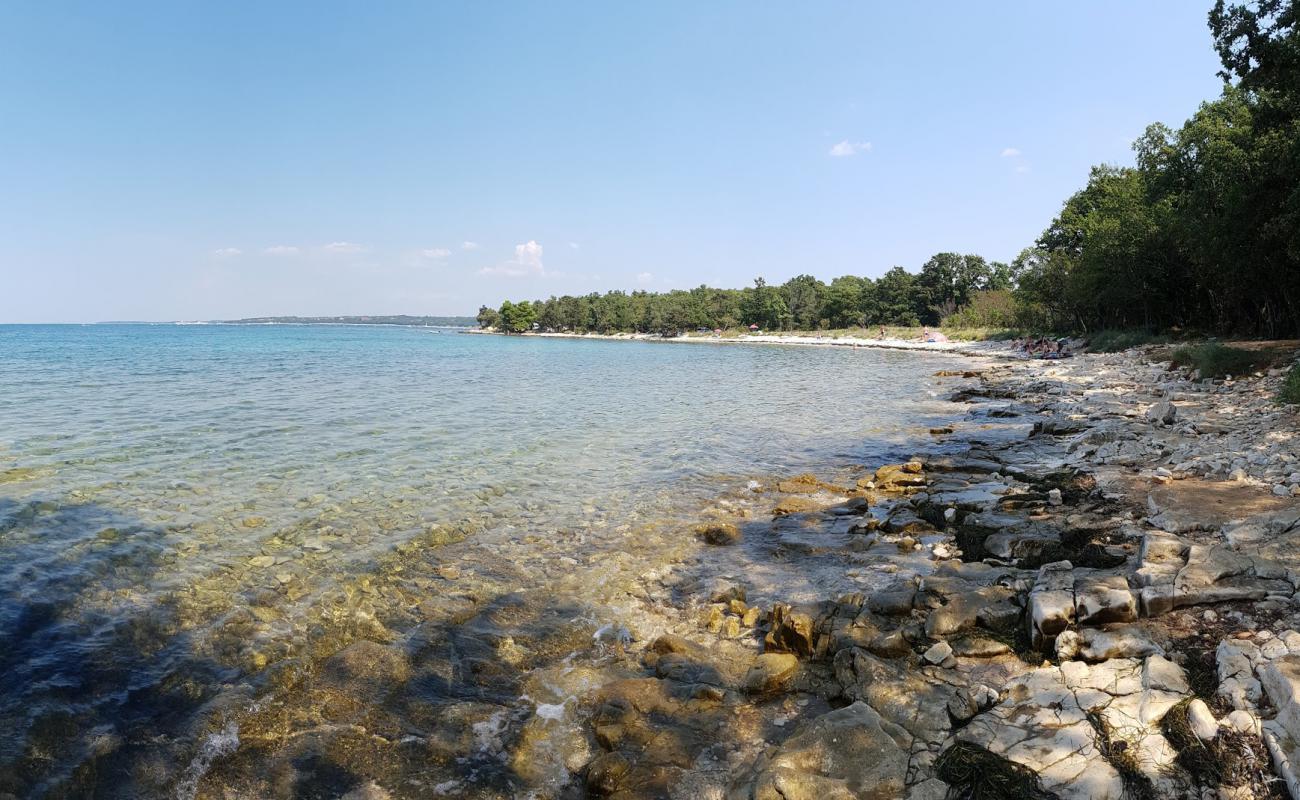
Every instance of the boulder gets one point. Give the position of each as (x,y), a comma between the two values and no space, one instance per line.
(961,611)
(1280,679)
(723,590)
(1242,721)
(790,632)
(771,672)
(972,646)
(940,654)
(1174,573)
(1099,599)
(1236,666)
(1162,413)
(846,754)
(899,477)
(1096,644)
(890,645)
(894,602)
(1202,722)
(1050,604)
(966,703)
(915,700)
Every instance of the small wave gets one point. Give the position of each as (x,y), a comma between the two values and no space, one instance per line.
(217,744)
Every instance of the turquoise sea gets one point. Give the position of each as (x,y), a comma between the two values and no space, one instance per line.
(193,517)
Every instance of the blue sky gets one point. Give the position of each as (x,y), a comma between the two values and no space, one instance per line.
(190,160)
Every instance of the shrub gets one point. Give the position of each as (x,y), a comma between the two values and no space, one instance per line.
(988,309)
(1290,392)
(1216,360)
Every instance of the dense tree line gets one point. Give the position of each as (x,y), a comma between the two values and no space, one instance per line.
(1203,232)
(945,283)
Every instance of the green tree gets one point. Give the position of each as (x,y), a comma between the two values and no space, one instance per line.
(517,317)
(947,282)
(487,317)
(842,305)
(803,299)
(764,306)
(897,301)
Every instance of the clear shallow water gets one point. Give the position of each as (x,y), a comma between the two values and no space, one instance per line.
(186,509)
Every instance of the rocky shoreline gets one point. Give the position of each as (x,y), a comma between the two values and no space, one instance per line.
(1083,586)
(1085,589)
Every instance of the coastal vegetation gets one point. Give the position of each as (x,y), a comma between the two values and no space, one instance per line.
(1202,234)
(1113,340)
(946,283)
(1290,392)
(1215,360)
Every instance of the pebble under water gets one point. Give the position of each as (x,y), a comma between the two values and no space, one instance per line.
(284,561)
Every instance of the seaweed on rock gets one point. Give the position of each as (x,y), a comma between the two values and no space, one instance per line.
(975,773)
(1123,756)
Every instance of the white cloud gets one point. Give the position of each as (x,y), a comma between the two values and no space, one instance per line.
(282,250)
(1010,152)
(343,247)
(644,278)
(574,245)
(527,262)
(227,252)
(529,254)
(847,148)
(435,252)
(469,245)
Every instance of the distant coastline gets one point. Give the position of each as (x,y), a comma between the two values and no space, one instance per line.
(381,319)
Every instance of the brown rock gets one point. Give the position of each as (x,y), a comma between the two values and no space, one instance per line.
(794,505)
(719,533)
(790,632)
(771,672)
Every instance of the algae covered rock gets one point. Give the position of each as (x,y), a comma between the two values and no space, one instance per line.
(718,533)
(805,484)
(366,663)
(794,505)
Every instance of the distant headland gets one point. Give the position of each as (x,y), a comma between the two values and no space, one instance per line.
(391,319)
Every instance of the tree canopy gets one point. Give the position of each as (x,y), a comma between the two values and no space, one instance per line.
(1204,231)
(801,303)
